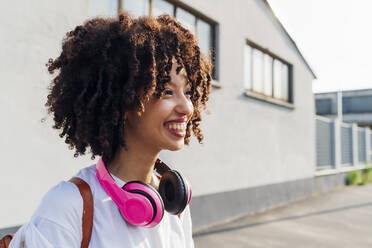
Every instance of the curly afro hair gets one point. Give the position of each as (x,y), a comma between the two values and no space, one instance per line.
(109,66)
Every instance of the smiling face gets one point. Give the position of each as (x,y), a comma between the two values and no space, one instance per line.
(163,123)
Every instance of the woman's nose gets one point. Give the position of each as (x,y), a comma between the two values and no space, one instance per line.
(185,105)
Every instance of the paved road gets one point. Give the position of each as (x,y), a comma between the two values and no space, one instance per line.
(338,219)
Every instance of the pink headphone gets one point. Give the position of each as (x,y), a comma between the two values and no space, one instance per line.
(141,204)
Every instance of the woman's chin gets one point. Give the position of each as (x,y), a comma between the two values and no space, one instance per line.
(175,147)
(173,143)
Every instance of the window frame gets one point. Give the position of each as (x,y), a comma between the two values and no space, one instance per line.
(250,92)
(198,15)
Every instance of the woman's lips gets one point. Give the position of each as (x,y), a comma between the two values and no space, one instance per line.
(175,133)
(180,120)
(176,127)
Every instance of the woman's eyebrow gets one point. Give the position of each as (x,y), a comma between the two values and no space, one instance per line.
(186,83)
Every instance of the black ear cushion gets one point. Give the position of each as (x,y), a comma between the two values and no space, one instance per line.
(173,190)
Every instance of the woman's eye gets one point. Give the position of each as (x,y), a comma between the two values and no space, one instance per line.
(170,92)
(166,92)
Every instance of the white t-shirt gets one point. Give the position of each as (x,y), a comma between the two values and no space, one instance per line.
(57,222)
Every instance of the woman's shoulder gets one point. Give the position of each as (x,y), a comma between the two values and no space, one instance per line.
(62,205)
(58,218)
(63,202)
(64,195)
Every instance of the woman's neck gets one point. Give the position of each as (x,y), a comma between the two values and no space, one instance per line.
(135,164)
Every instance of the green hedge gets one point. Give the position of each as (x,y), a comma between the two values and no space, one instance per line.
(368,175)
(359,177)
(354,178)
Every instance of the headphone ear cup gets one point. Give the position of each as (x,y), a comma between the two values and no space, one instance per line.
(174,192)
(137,211)
(189,191)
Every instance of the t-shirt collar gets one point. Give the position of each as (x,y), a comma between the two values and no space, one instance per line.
(154,181)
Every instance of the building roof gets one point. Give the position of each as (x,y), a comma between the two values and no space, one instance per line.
(352,92)
(289,37)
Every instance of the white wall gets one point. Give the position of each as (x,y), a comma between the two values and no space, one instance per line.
(34,158)
(247,142)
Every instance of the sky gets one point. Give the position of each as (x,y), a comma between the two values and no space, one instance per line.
(334,36)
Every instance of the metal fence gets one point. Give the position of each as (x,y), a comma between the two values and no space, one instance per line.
(362,145)
(341,144)
(346,144)
(324,143)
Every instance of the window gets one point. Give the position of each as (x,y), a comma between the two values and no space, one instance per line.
(266,73)
(137,7)
(161,6)
(204,36)
(201,26)
(99,7)
(187,19)
(257,70)
(323,106)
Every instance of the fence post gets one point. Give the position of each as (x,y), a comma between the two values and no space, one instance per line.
(354,134)
(337,143)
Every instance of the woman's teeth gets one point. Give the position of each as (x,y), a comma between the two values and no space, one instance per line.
(177,126)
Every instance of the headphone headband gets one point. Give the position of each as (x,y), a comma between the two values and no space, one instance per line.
(109,184)
(161,167)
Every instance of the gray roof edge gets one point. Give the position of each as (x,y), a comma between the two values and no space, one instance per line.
(289,37)
(352,91)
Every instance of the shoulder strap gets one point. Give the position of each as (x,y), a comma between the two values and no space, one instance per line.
(86,194)
(5,241)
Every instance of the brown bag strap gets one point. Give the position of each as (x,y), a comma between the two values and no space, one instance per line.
(86,193)
(5,241)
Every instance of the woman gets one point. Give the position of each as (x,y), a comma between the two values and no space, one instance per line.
(126,89)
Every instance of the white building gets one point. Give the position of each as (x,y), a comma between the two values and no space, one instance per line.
(259,146)
(351,106)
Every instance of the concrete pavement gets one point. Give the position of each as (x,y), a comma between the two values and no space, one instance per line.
(337,219)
